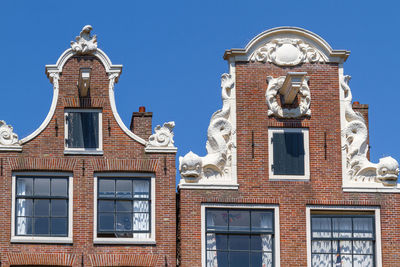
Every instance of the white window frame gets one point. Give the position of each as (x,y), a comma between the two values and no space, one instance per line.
(91,151)
(275,208)
(306,176)
(42,239)
(375,210)
(128,240)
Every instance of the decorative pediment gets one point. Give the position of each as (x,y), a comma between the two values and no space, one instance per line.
(85,43)
(289,86)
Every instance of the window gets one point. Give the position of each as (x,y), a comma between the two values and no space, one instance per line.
(288,153)
(83,131)
(344,238)
(42,208)
(239,237)
(124,206)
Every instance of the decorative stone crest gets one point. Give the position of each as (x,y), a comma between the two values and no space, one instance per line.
(276,86)
(355,134)
(216,165)
(287,52)
(8,139)
(163,136)
(85,43)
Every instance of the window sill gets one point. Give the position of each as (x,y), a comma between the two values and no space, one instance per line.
(83,152)
(41,239)
(127,241)
(299,178)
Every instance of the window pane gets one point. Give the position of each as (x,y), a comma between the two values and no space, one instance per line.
(321,227)
(217,259)
(141,189)
(363,247)
(124,188)
(261,221)
(363,227)
(24,186)
(288,149)
(124,222)
(266,243)
(106,205)
(124,206)
(141,206)
(321,246)
(106,188)
(267,259)
(217,219)
(363,261)
(24,207)
(211,242)
(42,187)
(141,222)
(239,220)
(256,259)
(318,260)
(341,227)
(24,226)
(106,221)
(83,130)
(239,259)
(42,207)
(239,242)
(344,260)
(59,187)
(59,226)
(41,226)
(59,207)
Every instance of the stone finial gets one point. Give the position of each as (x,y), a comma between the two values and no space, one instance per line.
(8,139)
(85,43)
(163,136)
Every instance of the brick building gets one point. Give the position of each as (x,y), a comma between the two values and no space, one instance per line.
(287,179)
(83,189)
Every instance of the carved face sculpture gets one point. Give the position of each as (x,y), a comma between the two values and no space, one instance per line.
(190,166)
(388,171)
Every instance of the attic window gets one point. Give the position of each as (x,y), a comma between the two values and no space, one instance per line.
(83,131)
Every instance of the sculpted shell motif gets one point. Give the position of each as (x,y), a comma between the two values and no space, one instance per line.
(287,52)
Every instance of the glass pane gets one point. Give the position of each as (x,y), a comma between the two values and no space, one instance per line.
(222,242)
(83,130)
(124,188)
(59,226)
(255,243)
(124,206)
(318,260)
(106,188)
(106,222)
(41,226)
(239,242)
(267,259)
(24,207)
(217,259)
(363,261)
(106,205)
(239,220)
(363,247)
(321,246)
(363,227)
(266,243)
(321,227)
(288,149)
(141,222)
(256,259)
(42,187)
(24,186)
(141,189)
(341,227)
(59,187)
(239,259)
(124,222)
(42,207)
(211,242)
(217,219)
(141,206)
(344,260)
(345,247)
(24,226)
(261,221)
(59,208)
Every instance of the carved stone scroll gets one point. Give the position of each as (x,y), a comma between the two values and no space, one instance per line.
(8,139)
(163,136)
(85,43)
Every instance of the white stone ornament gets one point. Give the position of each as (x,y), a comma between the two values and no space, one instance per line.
(278,86)
(8,139)
(85,43)
(216,165)
(355,134)
(287,52)
(163,136)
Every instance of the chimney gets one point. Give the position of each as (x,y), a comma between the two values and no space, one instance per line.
(141,123)
(363,109)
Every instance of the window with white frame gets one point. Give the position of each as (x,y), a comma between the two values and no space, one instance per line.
(83,130)
(42,207)
(239,237)
(288,153)
(124,208)
(347,237)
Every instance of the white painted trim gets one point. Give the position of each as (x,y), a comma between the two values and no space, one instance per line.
(86,151)
(17,148)
(208,186)
(306,176)
(152,149)
(40,239)
(376,210)
(152,239)
(277,248)
(232,118)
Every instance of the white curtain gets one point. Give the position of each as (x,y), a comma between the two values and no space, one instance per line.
(212,260)
(141,221)
(21,209)
(266,240)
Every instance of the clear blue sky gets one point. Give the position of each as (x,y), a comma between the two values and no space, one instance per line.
(172,56)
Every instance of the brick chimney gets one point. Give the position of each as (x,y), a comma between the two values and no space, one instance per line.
(363,109)
(141,123)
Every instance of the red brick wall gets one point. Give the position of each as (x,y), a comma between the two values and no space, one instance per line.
(324,187)
(121,153)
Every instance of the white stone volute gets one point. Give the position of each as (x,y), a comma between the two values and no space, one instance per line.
(85,43)
(7,135)
(163,136)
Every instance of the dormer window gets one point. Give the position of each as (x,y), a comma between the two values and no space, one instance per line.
(83,133)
